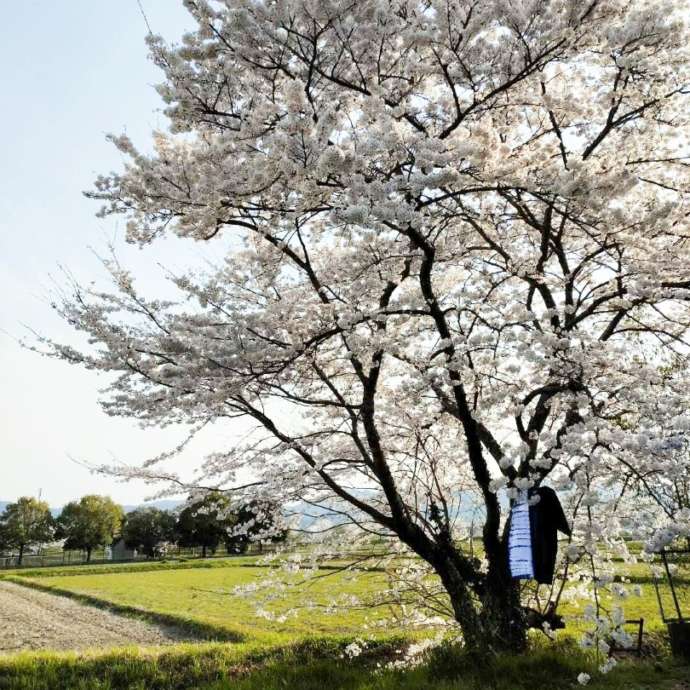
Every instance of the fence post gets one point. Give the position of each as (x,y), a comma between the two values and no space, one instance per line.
(673,589)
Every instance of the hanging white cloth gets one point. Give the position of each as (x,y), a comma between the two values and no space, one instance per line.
(520,540)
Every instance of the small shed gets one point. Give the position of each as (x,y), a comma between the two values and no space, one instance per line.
(119,551)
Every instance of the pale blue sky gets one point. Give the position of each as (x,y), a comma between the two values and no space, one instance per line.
(73,70)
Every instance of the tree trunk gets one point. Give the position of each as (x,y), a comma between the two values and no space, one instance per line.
(461,600)
(203,551)
(21,554)
(505,617)
(88,554)
(504,624)
(489,614)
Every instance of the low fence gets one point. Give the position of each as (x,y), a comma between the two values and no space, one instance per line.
(49,559)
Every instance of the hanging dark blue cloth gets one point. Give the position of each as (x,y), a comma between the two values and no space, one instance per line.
(546,518)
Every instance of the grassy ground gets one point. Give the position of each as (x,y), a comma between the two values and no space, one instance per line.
(182,666)
(138,567)
(448,669)
(319,665)
(644,606)
(205,597)
(200,592)
(301,653)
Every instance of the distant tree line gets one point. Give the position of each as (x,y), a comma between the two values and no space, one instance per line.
(97,521)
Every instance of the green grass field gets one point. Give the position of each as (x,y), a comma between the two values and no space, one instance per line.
(303,651)
(206,596)
(129,567)
(201,591)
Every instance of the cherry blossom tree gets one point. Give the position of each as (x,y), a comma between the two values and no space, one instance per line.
(455,239)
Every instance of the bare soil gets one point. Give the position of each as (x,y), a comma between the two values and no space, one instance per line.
(30,619)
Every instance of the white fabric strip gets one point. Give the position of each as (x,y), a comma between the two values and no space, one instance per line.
(520,540)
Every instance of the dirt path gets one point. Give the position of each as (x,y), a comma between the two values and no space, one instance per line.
(30,619)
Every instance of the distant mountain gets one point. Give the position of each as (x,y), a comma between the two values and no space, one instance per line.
(164,504)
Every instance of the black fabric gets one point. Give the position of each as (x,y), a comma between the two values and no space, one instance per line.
(546,517)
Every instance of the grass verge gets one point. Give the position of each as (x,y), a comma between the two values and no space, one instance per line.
(152,566)
(319,664)
(449,668)
(141,567)
(180,667)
